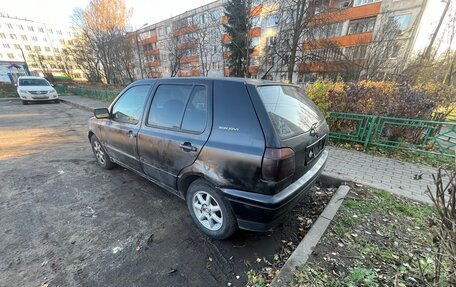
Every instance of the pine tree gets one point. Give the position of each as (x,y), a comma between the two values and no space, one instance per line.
(238,27)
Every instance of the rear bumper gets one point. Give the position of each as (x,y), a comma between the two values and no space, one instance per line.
(260,212)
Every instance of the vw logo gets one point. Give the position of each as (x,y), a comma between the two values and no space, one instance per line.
(313,130)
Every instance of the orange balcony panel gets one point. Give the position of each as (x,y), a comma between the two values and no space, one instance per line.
(255,52)
(255,32)
(351,13)
(185,30)
(253,69)
(152,52)
(226,38)
(224,20)
(149,40)
(255,11)
(155,74)
(153,64)
(195,73)
(226,54)
(226,71)
(189,59)
(329,66)
(342,41)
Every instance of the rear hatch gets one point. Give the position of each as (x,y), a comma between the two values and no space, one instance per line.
(297,122)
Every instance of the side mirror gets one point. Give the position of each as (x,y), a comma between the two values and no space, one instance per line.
(102,113)
(52,85)
(15,85)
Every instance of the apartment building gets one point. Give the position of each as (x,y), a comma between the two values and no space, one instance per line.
(344,37)
(23,41)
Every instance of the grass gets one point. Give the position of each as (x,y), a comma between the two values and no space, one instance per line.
(421,158)
(376,239)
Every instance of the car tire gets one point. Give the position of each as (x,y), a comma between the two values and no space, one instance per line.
(57,101)
(100,154)
(25,102)
(209,210)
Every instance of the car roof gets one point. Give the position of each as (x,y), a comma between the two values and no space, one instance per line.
(255,82)
(30,77)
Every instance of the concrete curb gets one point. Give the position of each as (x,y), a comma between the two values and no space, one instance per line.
(10,99)
(71,103)
(310,241)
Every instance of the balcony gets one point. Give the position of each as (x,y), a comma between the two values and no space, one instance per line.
(152,52)
(329,66)
(351,13)
(255,32)
(149,40)
(341,41)
(153,64)
(185,30)
(189,59)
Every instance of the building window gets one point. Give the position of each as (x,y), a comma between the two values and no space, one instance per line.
(203,18)
(37,48)
(363,2)
(270,41)
(47,49)
(10,55)
(41,30)
(23,37)
(256,21)
(256,2)
(2,36)
(327,31)
(273,20)
(13,36)
(216,65)
(361,26)
(28,48)
(20,27)
(34,38)
(392,50)
(9,25)
(50,31)
(17,47)
(400,22)
(59,32)
(168,29)
(216,14)
(6,45)
(30,28)
(56,50)
(255,42)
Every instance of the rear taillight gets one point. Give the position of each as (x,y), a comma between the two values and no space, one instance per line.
(278,164)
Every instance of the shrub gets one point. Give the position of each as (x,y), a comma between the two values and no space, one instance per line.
(384,98)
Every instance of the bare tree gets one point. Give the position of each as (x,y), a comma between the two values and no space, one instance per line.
(43,62)
(176,51)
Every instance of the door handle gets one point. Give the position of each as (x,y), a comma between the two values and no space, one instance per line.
(131,134)
(187,146)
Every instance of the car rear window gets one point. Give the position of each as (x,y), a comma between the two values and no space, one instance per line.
(290,110)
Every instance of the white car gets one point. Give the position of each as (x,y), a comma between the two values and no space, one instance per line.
(34,89)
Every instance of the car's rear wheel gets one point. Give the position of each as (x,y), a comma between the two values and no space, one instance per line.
(101,156)
(57,101)
(209,210)
(25,103)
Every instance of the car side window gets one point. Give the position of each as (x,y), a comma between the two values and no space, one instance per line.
(130,105)
(196,111)
(168,105)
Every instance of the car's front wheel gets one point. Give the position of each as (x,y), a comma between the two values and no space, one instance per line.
(209,210)
(57,101)
(101,156)
(24,102)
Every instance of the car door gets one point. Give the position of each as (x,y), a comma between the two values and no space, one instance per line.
(120,132)
(175,129)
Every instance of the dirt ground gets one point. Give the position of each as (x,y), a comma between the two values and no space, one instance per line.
(66,222)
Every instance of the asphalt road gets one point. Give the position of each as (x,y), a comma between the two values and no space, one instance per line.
(66,222)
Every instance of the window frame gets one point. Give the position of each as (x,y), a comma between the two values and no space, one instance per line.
(111,107)
(180,130)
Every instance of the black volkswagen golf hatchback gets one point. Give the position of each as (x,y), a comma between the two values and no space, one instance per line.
(241,152)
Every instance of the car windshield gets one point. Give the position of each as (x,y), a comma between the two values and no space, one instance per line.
(33,82)
(290,110)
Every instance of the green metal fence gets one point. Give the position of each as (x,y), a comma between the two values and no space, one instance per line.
(399,133)
(102,95)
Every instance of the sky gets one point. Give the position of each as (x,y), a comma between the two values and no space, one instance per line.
(60,11)
(152,11)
